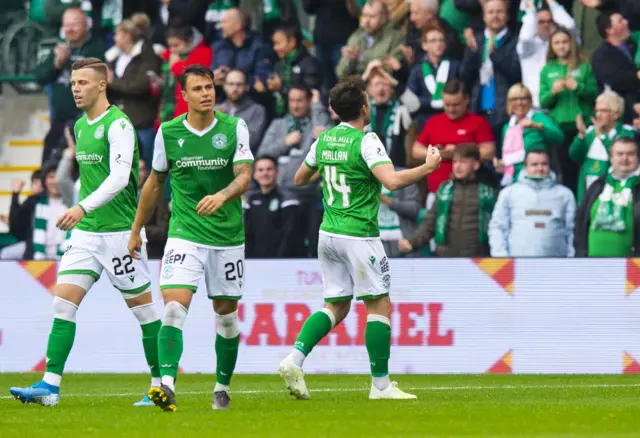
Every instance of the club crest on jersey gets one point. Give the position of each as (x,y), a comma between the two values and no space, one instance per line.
(99,132)
(219,141)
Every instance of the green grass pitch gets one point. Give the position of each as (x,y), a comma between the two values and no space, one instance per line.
(100,405)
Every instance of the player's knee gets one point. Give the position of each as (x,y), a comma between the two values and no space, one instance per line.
(145,314)
(339,309)
(175,314)
(63,309)
(227,325)
(379,306)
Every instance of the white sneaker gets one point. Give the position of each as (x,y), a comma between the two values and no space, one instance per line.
(294,378)
(392,392)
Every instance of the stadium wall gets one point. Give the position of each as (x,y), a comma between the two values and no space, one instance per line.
(450,316)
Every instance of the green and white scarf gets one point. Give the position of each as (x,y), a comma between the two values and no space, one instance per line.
(296,124)
(42,216)
(523,8)
(597,161)
(485,208)
(388,220)
(285,78)
(436,84)
(387,123)
(612,211)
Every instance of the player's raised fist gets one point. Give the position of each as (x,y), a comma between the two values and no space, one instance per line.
(135,245)
(433,158)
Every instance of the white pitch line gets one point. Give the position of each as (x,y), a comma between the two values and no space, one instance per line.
(430,388)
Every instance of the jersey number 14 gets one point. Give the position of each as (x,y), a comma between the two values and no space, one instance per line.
(336,182)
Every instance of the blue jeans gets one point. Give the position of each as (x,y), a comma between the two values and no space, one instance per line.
(146,140)
(328,55)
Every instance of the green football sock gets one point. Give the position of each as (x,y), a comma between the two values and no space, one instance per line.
(150,344)
(59,346)
(226,357)
(169,350)
(377,338)
(316,327)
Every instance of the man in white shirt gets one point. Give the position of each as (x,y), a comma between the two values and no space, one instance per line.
(537,27)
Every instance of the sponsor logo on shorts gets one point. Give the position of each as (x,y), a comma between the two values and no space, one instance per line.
(384,265)
(171,258)
(372,259)
(219,141)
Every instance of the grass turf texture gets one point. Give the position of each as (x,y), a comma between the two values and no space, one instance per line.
(448,406)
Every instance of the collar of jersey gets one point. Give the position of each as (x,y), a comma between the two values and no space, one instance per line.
(97,119)
(195,131)
(347,124)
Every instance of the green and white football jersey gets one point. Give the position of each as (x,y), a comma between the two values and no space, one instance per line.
(345,156)
(201,164)
(108,157)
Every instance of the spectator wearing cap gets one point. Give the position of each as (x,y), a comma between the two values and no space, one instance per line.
(533,43)
(430,74)
(375,39)
(613,62)
(535,216)
(608,218)
(491,65)
(591,146)
(288,139)
(458,220)
(239,104)
(271,216)
(568,89)
(456,126)
(131,61)
(295,66)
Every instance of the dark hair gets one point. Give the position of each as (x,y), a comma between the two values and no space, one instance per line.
(195,69)
(242,72)
(432,26)
(47,168)
(37,174)
(454,86)
(603,22)
(268,157)
(301,87)
(290,31)
(179,29)
(92,63)
(535,151)
(467,150)
(625,140)
(348,97)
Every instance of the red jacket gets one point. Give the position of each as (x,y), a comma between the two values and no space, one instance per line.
(201,54)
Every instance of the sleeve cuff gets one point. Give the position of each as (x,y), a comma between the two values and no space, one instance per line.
(374,165)
(83,209)
(309,165)
(245,161)
(160,171)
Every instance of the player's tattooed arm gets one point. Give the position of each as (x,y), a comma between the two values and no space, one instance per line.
(241,183)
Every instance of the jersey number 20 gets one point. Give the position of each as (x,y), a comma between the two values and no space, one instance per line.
(336,181)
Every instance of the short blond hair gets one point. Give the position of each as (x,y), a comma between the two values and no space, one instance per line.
(93,63)
(517,90)
(614,101)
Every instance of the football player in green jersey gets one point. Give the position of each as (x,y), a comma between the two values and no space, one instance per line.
(107,154)
(353,262)
(208,155)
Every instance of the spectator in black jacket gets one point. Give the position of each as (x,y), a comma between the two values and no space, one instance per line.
(612,62)
(629,8)
(271,216)
(295,66)
(422,13)
(335,22)
(491,66)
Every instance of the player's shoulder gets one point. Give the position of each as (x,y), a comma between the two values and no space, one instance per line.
(227,120)
(173,123)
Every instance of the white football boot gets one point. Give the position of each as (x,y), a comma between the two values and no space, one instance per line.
(294,378)
(392,392)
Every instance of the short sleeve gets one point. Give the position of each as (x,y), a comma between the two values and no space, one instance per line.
(373,151)
(484,134)
(243,148)
(310,160)
(160,164)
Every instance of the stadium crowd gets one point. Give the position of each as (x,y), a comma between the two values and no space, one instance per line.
(538,141)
